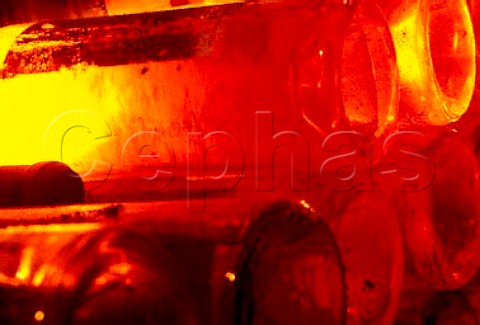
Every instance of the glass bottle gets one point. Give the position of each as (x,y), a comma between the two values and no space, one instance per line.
(156,81)
(89,273)
(150,263)
(437,205)
(369,238)
(28,11)
(435,49)
(346,78)
(291,271)
(47,183)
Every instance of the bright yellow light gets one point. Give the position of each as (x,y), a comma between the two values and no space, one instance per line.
(54,228)
(40,275)
(408,38)
(7,38)
(122,7)
(68,280)
(25,267)
(39,316)
(436,60)
(85,116)
(230,276)
(391,117)
(41,112)
(305,204)
(121,269)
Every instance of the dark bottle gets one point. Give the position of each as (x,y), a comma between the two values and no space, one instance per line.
(47,183)
(135,263)
(88,275)
(292,272)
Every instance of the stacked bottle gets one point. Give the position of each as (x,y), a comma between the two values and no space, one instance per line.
(137,271)
(420,241)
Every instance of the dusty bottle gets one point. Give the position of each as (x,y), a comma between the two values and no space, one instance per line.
(331,76)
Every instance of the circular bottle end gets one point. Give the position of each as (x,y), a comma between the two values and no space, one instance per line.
(435,48)
(292,272)
(370,241)
(451,44)
(442,222)
(52,183)
(346,78)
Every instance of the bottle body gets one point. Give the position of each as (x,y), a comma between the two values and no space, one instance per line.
(176,89)
(142,267)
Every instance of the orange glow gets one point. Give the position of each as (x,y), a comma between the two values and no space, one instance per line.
(305,204)
(39,316)
(436,59)
(41,274)
(408,42)
(68,280)
(25,267)
(88,117)
(231,276)
(121,269)
(102,280)
(7,38)
(122,7)
(38,110)
(55,228)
